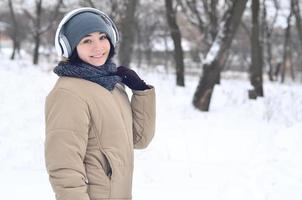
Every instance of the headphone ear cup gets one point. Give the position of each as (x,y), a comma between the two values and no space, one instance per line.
(65,46)
(115,34)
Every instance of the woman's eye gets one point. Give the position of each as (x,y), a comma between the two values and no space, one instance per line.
(103,37)
(87,41)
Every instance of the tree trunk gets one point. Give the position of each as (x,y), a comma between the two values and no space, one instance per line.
(286,49)
(139,49)
(269,55)
(268,31)
(257,57)
(213,19)
(176,37)
(268,42)
(15,29)
(217,55)
(296,11)
(36,31)
(291,66)
(36,50)
(128,33)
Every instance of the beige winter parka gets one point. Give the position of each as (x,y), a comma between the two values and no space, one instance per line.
(90,136)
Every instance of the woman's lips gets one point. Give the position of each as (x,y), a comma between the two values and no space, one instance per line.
(98,56)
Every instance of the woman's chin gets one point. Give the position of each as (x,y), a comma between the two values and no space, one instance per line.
(97,62)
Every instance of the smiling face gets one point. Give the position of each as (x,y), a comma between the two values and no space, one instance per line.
(94,48)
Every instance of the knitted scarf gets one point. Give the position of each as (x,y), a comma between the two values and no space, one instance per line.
(104,75)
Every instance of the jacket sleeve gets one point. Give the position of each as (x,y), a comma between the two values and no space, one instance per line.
(67,124)
(143,112)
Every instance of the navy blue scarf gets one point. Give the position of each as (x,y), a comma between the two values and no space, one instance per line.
(104,75)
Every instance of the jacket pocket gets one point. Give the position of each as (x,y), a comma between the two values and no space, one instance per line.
(98,182)
(106,165)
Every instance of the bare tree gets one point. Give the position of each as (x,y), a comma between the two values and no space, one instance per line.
(176,37)
(204,16)
(268,31)
(128,33)
(210,8)
(256,54)
(296,11)
(286,47)
(217,55)
(37,29)
(15,29)
(150,24)
(114,8)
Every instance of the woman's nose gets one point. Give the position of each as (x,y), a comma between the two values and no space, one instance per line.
(97,45)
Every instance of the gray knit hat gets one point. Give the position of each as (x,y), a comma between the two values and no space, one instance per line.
(84,23)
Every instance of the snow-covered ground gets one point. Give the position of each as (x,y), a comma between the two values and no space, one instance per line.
(240,150)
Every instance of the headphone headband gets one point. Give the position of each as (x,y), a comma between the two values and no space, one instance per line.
(61,43)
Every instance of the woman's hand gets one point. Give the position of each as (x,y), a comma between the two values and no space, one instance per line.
(131,78)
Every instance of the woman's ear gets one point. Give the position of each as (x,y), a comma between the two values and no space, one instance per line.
(112,51)
(74,56)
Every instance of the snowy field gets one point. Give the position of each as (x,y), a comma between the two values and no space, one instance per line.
(240,150)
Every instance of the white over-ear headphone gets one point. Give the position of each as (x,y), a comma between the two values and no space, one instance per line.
(61,43)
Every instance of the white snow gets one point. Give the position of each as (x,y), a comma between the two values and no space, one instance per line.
(213,51)
(240,150)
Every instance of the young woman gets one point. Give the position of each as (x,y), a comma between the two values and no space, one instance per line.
(91,126)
